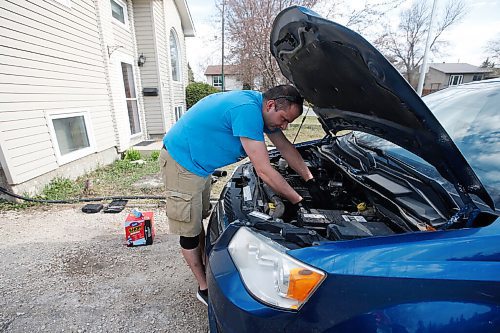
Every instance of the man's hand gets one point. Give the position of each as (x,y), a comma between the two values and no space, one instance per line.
(298,207)
(318,196)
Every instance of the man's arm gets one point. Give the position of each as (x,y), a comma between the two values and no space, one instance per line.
(257,152)
(290,154)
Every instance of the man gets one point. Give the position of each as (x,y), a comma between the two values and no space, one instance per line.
(217,131)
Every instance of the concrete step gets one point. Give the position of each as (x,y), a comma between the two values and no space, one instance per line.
(147,147)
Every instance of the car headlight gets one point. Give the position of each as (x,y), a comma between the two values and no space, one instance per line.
(269,273)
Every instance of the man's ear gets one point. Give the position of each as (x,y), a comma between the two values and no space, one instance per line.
(269,105)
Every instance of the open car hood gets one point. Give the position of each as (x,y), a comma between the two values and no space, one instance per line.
(352,86)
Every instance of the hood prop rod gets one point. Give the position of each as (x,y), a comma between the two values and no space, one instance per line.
(301,123)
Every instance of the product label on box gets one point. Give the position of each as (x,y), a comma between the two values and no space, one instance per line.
(139,230)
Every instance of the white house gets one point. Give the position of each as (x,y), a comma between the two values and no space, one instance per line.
(232,77)
(82,81)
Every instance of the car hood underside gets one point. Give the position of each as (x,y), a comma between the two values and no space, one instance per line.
(352,86)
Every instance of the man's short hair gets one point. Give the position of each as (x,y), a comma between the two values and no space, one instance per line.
(284,96)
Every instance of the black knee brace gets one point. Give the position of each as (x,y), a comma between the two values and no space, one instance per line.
(189,243)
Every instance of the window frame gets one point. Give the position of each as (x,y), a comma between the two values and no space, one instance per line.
(479,76)
(173,33)
(122,4)
(218,85)
(77,154)
(178,112)
(125,60)
(453,76)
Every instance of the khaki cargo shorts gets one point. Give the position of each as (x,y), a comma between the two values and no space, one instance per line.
(188,197)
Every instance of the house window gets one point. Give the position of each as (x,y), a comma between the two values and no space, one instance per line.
(455,79)
(71,136)
(178,112)
(131,98)
(217,80)
(477,77)
(119,11)
(175,60)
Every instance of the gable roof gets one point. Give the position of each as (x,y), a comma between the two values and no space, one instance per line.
(451,68)
(217,70)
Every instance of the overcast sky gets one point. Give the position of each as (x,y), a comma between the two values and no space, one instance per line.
(467,38)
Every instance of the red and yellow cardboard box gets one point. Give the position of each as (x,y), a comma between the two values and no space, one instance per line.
(139,230)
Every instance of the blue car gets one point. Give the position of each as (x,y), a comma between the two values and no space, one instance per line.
(408,239)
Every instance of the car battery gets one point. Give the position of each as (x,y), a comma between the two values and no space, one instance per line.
(139,230)
(320,217)
(341,225)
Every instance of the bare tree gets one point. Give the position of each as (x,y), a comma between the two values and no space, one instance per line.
(366,18)
(405,46)
(493,48)
(249,24)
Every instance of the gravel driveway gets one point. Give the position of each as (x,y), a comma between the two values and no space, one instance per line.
(65,271)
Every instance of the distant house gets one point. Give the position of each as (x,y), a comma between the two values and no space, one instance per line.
(232,76)
(82,81)
(442,75)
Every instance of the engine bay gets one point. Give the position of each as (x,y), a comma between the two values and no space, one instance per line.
(349,212)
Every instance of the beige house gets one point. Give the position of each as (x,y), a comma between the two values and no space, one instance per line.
(82,81)
(442,75)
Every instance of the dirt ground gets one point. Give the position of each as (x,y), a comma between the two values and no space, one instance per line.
(66,271)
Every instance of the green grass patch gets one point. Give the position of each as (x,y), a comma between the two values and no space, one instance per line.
(154,155)
(132,155)
(9,205)
(117,178)
(61,189)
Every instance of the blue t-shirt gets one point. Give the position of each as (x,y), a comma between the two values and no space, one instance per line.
(207,136)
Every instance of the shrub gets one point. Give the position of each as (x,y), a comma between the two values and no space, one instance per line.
(132,155)
(196,91)
(154,155)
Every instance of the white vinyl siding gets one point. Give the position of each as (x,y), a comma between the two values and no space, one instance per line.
(67,3)
(121,42)
(148,22)
(51,60)
(177,88)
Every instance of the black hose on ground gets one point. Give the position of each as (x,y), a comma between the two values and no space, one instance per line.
(130,197)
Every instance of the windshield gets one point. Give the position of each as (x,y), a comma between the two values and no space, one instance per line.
(471,117)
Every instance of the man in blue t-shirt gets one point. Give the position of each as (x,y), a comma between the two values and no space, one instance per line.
(219,130)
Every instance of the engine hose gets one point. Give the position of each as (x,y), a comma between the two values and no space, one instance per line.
(131,197)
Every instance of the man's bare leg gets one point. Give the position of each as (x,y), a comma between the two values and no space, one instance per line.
(195,263)
(202,248)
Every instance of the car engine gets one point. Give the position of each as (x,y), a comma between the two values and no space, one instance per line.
(350,210)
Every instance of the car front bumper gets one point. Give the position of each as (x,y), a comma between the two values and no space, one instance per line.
(231,307)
